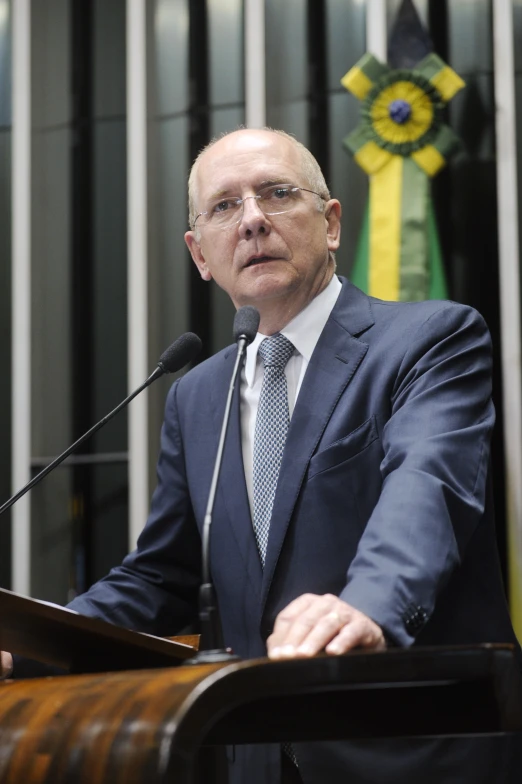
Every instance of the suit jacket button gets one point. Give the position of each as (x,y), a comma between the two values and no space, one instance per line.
(415,618)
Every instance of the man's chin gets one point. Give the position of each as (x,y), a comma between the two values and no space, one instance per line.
(269,285)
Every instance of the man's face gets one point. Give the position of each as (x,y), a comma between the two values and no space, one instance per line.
(263,258)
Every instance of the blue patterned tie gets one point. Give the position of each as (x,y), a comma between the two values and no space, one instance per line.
(272,421)
(270,433)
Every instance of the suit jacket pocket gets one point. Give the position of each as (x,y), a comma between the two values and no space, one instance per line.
(345,448)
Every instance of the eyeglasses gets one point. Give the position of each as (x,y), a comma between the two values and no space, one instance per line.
(272,200)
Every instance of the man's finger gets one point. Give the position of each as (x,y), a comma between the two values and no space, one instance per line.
(6,664)
(320,619)
(298,609)
(325,628)
(360,633)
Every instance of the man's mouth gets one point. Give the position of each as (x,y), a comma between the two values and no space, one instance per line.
(259,260)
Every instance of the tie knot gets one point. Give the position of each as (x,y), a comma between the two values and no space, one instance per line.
(276,350)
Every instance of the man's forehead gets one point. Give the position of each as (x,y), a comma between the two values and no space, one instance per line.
(245,148)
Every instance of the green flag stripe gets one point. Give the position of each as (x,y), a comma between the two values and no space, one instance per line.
(371,67)
(414,280)
(357,139)
(438,287)
(446,142)
(437,279)
(430,66)
(360,271)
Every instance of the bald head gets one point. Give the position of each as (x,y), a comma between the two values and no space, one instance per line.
(310,169)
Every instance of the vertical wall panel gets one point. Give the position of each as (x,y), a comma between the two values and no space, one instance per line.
(346,43)
(227,85)
(517,30)
(509,269)
(286,67)
(255,63)
(137,261)
(225,29)
(5,285)
(169,291)
(50,302)
(109,503)
(21,292)
(517,35)
(5,64)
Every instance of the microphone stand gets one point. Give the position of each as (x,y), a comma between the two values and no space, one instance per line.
(182,351)
(214,651)
(56,462)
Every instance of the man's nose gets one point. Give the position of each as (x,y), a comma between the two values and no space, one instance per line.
(253,219)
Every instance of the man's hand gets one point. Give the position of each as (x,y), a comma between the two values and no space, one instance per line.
(312,623)
(6,664)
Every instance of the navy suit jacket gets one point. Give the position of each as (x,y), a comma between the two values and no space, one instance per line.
(383,499)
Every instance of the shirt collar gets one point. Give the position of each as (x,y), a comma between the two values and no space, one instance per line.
(303,331)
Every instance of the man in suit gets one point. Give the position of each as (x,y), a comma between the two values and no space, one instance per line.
(380,528)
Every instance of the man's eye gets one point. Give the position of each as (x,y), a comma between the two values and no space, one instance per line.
(281,192)
(223,206)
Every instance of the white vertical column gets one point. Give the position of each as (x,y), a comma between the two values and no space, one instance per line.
(137,263)
(21,293)
(509,262)
(255,88)
(376,29)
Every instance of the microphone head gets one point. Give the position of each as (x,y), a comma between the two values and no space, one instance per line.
(246,323)
(180,353)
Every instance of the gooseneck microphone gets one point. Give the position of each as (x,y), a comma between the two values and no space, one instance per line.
(212,649)
(246,324)
(180,353)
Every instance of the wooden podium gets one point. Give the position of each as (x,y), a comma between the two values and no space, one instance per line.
(63,638)
(147,726)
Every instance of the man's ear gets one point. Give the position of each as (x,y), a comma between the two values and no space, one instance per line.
(194,247)
(332,216)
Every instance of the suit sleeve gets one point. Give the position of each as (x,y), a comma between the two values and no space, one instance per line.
(436,453)
(155,589)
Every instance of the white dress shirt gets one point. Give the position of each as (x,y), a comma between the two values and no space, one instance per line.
(303,331)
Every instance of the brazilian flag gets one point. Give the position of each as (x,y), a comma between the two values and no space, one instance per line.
(401,142)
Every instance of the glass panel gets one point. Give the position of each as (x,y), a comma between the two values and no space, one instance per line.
(348,182)
(286,67)
(227,96)
(517,25)
(169,261)
(474,252)
(51,288)
(346,38)
(171,224)
(50,63)
(109,58)
(170,46)
(470,43)
(225,33)
(346,43)
(223,310)
(109,501)
(169,294)
(51,537)
(5,63)
(5,286)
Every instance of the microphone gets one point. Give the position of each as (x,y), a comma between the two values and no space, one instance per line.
(212,650)
(180,353)
(246,324)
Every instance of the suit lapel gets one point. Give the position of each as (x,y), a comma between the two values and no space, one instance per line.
(334,362)
(232,490)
